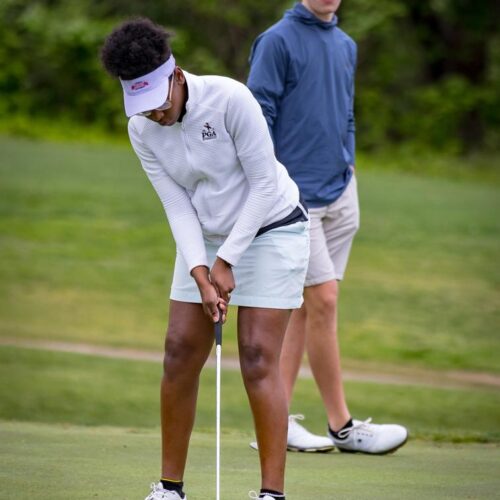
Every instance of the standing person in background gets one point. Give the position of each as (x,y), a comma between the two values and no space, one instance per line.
(302,73)
(234,212)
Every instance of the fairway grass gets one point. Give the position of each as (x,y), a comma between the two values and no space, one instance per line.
(56,462)
(86,256)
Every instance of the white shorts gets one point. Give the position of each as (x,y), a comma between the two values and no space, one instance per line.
(332,231)
(270,273)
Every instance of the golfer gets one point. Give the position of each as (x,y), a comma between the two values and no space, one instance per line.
(240,230)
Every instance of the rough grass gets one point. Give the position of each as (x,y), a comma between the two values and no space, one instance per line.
(77,389)
(86,256)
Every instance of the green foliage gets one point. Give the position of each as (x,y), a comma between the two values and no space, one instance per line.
(50,67)
(441,108)
(428,72)
(223,30)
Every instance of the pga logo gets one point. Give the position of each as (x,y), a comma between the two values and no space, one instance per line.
(208,132)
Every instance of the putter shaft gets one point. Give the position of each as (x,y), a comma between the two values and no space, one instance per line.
(218,349)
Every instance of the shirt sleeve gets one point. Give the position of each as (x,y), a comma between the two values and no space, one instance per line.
(247,127)
(351,124)
(181,215)
(267,77)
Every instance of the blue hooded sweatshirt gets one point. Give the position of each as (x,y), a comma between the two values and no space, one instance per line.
(302,73)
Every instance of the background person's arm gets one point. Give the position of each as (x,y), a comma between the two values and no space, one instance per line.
(351,124)
(267,77)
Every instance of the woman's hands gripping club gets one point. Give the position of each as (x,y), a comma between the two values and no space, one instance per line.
(215,288)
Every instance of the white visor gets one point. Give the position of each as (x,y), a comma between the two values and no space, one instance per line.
(148,91)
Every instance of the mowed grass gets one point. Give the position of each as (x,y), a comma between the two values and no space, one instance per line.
(55,462)
(86,256)
(81,427)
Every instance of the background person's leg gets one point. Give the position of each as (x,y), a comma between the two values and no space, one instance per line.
(188,343)
(315,326)
(292,351)
(299,438)
(260,336)
(323,349)
(320,270)
(324,358)
(340,224)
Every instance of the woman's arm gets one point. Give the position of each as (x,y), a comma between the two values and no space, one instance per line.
(248,129)
(181,215)
(185,226)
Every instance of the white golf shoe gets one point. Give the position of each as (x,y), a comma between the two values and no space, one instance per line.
(365,437)
(300,439)
(160,493)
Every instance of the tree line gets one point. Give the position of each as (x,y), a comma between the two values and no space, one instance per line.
(428,72)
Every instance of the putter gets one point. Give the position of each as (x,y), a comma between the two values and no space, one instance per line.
(218,348)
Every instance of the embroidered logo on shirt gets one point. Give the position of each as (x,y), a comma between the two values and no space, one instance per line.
(208,132)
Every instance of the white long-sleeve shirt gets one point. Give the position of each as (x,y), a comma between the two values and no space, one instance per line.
(215,172)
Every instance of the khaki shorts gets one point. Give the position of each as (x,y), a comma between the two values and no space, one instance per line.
(332,230)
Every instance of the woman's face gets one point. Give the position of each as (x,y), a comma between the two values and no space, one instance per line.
(170,116)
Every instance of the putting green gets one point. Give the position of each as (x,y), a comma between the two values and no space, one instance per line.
(52,462)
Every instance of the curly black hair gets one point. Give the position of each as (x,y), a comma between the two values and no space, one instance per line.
(135,48)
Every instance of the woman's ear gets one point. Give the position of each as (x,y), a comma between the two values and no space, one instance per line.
(179,75)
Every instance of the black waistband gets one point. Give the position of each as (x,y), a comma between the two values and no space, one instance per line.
(299,213)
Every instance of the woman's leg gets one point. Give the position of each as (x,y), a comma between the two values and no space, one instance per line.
(260,335)
(187,346)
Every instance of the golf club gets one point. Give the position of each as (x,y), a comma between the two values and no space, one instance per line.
(218,348)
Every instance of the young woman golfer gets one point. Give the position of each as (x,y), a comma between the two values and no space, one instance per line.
(240,230)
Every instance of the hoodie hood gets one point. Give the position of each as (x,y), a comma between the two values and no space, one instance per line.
(301,14)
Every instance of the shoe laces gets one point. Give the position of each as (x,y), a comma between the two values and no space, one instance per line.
(155,488)
(364,425)
(297,416)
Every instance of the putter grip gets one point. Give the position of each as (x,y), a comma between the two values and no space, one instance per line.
(218,333)
(218,330)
